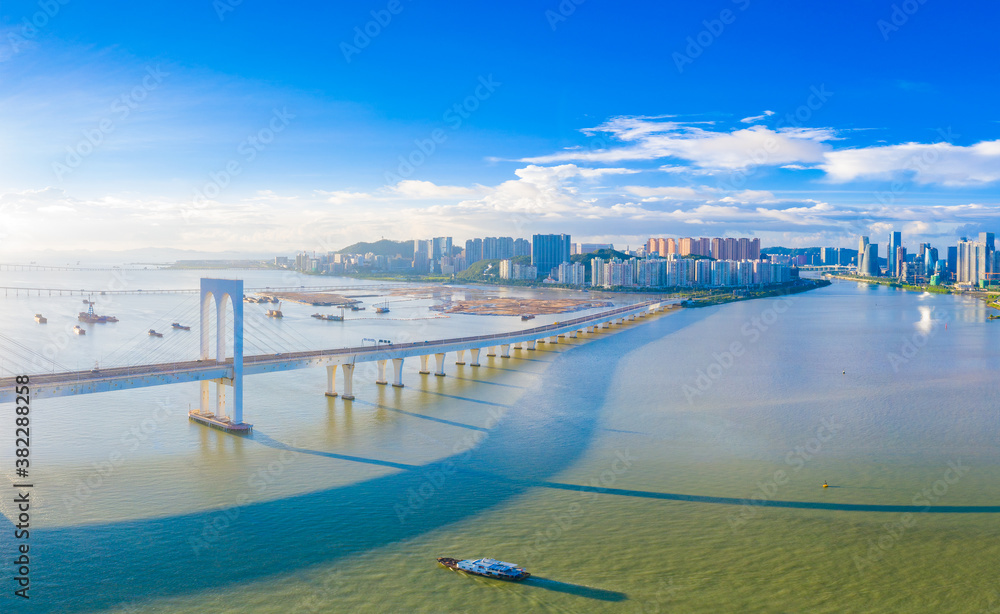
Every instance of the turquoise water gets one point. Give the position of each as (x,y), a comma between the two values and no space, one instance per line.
(343,506)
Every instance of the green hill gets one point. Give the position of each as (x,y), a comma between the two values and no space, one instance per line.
(384,247)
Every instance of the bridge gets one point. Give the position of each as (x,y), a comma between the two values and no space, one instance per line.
(229,372)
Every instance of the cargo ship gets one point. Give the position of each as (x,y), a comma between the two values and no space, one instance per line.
(329,318)
(153,333)
(180,326)
(527,317)
(490,568)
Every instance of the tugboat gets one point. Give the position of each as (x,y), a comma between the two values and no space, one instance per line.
(40,318)
(180,326)
(153,333)
(79,331)
(490,568)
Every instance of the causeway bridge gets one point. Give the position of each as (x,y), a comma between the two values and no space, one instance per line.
(229,372)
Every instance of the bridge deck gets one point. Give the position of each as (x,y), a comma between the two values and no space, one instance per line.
(46,385)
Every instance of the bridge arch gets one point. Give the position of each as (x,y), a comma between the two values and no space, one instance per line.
(221,292)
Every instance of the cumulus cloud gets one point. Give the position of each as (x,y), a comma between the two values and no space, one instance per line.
(941,163)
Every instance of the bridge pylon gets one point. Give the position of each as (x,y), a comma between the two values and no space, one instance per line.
(223,291)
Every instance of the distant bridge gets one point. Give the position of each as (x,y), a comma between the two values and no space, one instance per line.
(230,371)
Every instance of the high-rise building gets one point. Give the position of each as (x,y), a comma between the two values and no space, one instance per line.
(892,262)
(871,260)
(439,246)
(549,251)
(862,248)
(572,273)
(976,259)
(522,247)
(473,250)
(899,259)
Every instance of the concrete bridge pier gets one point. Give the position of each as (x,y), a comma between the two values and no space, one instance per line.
(423,365)
(381,381)
(205,395)
(531,344)
(397,369)
(554,339)
(572,335)
(491,351)
(439,359)
(475,356)
(461,357)
(348,382)
(505,350)
(331,380)
(605,324)
(220,398)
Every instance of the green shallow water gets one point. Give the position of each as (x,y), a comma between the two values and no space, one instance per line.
(308,529)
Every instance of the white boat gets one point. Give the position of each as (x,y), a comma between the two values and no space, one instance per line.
(79,331)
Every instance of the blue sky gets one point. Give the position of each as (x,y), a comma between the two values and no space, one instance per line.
(268,128)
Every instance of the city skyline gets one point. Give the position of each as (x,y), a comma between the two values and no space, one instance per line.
(123,137)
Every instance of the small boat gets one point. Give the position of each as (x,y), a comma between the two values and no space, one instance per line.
(87,302)
(383,309)
(153,333)
(40,318)
(180,326)
(357,307)
(79,331)
(491,568)
(527,317)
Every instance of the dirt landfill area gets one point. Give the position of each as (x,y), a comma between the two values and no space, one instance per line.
(518,306)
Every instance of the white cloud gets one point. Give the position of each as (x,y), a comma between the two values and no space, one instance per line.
(756,118)
(410,188)
(652,140)
(941,163)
